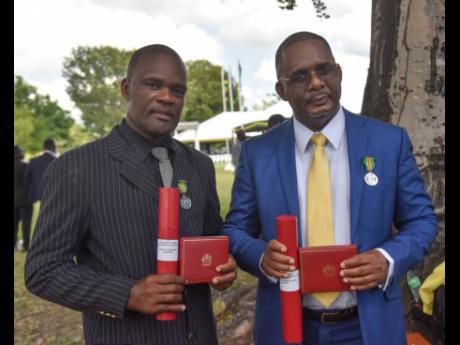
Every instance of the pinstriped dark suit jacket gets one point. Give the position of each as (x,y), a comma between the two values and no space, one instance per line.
(96,235)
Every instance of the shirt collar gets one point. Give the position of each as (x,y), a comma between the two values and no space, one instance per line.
(142,145)
(333,131)
(49,152)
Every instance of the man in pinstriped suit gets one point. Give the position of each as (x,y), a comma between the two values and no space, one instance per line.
(94,247)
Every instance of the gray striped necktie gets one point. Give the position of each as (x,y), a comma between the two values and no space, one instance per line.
(161,153)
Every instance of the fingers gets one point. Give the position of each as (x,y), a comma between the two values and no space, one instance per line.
(370,257)
(166,279)
(277,266)
(275,253)
(228,275)
(157,293)
(274,262)
(276,246)
(221,286)
(170,298)
(362,283)
(168,308)
(362,278)
(358,260)
(229,266)
(364,271)
(357,271)
(166,283)
(169,288)
(224,280)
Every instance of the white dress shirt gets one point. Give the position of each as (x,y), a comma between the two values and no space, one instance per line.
(50,152)
(337,153)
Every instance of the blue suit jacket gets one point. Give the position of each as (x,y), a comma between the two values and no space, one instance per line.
(266,186)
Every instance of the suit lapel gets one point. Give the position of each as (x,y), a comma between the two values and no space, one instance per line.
(285,151)
(357,148)
(131,169)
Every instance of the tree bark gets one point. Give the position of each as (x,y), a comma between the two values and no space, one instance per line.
(405,86)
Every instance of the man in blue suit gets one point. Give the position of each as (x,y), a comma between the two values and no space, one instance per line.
(375,185)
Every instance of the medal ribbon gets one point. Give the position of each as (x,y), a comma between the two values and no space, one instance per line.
(369,163)
(182,185)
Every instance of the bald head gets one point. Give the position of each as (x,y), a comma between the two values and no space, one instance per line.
(152,49)
(293,39)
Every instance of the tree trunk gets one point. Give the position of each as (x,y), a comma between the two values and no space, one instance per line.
(405,86)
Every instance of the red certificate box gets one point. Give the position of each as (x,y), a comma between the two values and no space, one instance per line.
(200,255)
(320,267)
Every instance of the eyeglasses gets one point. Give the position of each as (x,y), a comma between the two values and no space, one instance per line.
(324,72)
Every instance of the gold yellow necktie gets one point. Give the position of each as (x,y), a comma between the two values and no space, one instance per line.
(319,206)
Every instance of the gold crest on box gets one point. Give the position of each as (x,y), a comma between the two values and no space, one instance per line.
(328,271)
(206,260)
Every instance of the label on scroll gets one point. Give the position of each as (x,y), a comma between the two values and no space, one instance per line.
(168,250)
(291,283)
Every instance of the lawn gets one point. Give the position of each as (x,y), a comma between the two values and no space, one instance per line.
(38,322)
(224,182)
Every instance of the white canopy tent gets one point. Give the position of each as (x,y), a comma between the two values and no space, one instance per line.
(221,127)
(281,107)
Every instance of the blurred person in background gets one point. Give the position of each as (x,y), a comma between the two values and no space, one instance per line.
(23,206)
(240,138)
(36,169)
(275,120)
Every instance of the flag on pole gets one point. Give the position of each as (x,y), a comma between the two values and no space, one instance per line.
(230,87)
(222,82)
(240,98)
(239,71)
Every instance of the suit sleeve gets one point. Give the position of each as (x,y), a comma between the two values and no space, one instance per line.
(52,270)
(414,216)
(242,223)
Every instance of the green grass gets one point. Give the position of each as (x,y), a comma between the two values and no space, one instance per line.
(34,220)
(39,322)
(224,182)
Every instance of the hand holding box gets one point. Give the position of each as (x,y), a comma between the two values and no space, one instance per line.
(320,267)
(199,257)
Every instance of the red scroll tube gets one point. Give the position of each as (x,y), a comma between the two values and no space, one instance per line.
(168,237)
(291,302)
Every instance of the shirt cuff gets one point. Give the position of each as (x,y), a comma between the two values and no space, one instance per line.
(272,279)
(391,263)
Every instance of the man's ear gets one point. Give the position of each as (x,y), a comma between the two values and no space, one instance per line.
(280,90)
(125,90)
(340,73)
